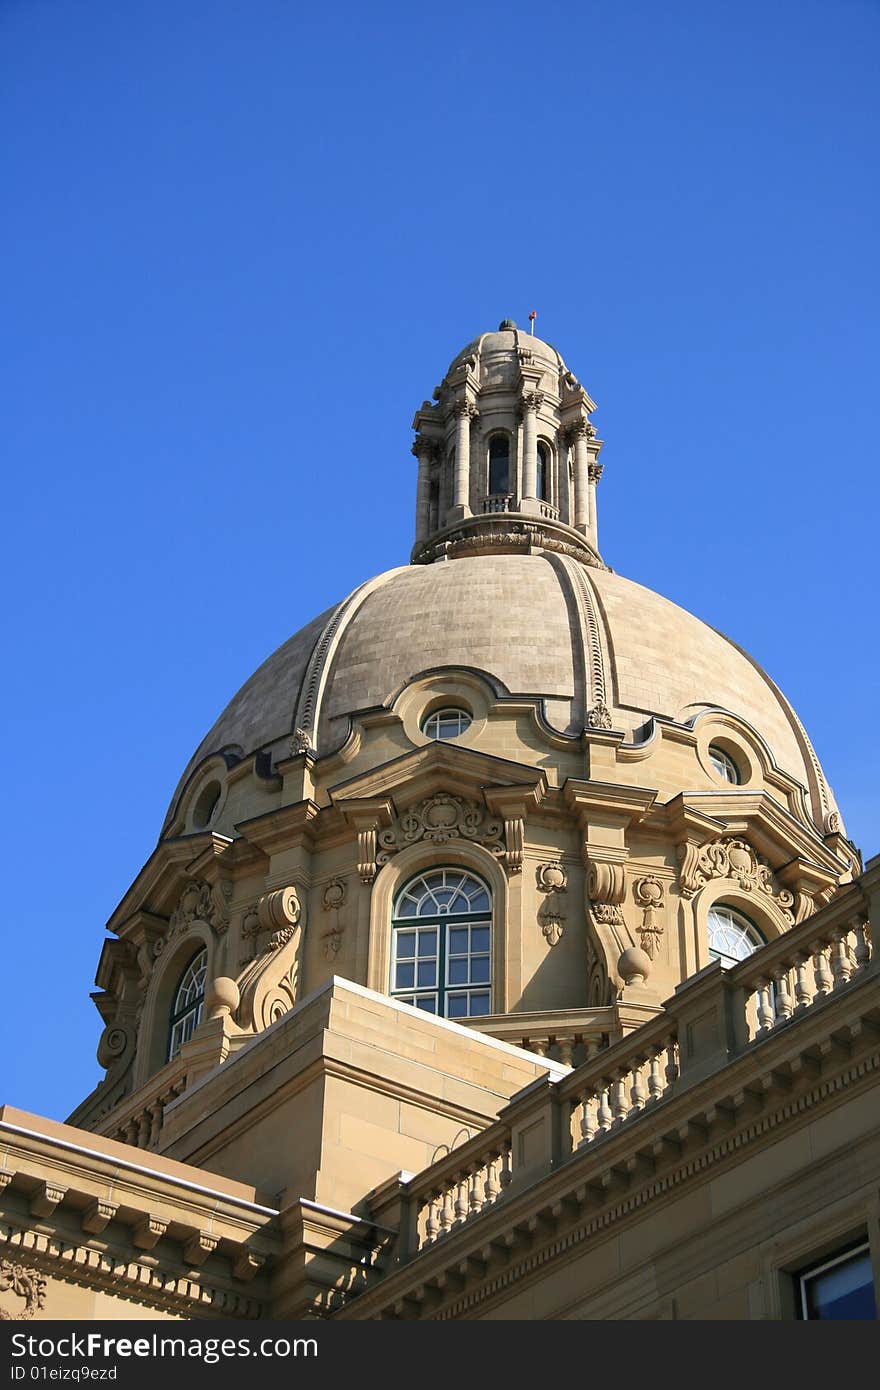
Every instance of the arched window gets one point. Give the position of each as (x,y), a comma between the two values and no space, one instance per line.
(732,937)
(543,480)
(189,1001)
(723,765)
(499,464)
(446,723)
(441,948)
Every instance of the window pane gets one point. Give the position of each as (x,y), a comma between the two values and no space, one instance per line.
(458,1006)
(480,970)
(479,1005)
(479,938)
(428,1003)
(406,976)
(458,971)
(427,943)
(845,1290)
(458,941)
(427,973)
(406,944)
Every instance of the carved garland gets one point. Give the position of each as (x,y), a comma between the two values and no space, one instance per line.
(201,902)
(27,1284)
(730,858)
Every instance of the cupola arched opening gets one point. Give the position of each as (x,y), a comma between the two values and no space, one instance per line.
(543,475)
(499,464)
(441,944)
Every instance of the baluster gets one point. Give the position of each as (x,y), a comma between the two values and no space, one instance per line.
(802,991)
(432,1225)
(863,944)
(841,964)
(476,1200)
(823,976)
(604,1116)
(589,1126)
(620,1102)
(638,1094)
(656,1085)
(672,1061)
(461,1198)
(131,1132)
(566,1050)
(784,1001)
(492,1187)
(446,1214)
(156,1112)
(766,1016)
(506,1173)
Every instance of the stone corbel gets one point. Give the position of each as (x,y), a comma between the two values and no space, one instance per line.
(511,805)
(367,815)
(606,891)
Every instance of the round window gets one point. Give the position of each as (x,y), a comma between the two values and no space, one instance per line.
(446,723)
(723,765)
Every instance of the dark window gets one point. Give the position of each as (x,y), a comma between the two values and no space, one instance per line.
(839,1288)
(499,464)
(543,481)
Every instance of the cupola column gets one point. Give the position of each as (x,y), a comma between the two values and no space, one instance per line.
(424,450)
(581,481)
(465,411)
(595,473)
(531,402)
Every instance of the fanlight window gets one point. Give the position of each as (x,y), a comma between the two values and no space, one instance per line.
(446,723)
(441,945)
(189,1001)
(499,464)
(732,937)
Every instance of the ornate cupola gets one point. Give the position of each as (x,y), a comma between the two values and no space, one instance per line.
(508,459)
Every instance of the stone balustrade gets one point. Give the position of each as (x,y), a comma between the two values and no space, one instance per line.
(462,1185)
(499,502)
(141,1124)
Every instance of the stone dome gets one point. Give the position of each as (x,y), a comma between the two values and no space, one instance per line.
(539,626)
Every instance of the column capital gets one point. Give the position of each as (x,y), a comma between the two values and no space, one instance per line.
(595,471)
(532,400)
(465,407)
(424,444)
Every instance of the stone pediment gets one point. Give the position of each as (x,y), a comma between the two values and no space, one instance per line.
(442,767)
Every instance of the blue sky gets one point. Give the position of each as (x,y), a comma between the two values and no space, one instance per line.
(240,243)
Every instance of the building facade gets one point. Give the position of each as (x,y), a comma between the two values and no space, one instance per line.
(502,955)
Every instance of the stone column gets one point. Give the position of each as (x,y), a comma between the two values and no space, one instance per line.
(595,473)
(465,411)
(563,482)
(581,463)
(424,449)
(531,401)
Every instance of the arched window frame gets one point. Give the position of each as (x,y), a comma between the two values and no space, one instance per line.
(189,1003)
(441,961)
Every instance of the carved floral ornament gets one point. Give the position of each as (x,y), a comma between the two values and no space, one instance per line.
(444,818)
(23,1283)
(200,902)
(334,897)
(733,859)
(649,894)
(553,880)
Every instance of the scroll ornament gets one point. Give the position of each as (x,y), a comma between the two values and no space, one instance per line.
(606,887)
(649,894)
(268,983)
(24,1283)
(734,859)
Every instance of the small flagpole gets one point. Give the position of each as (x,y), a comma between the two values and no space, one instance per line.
(532,316)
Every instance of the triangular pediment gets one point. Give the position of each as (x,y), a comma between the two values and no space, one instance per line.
(442,767)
